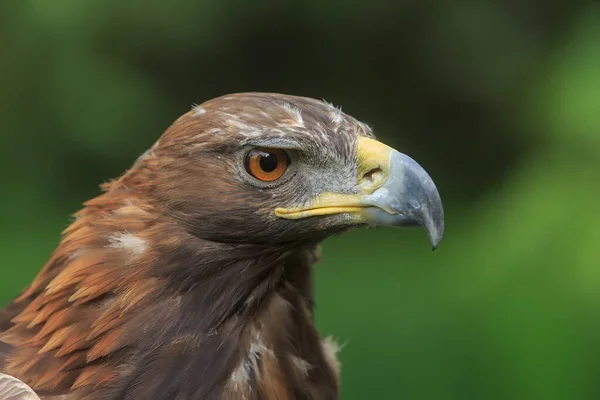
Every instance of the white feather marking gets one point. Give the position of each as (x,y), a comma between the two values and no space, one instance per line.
(127,207)
(295,113)
(252,133)
(240,125)
(198,110)
(13,389)
(330,350)
(336,117)
(301,365)
(241,374)
(128,241)
(77,253)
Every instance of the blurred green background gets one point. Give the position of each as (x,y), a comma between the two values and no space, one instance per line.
(500,102)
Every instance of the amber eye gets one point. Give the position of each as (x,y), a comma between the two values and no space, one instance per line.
(267,165)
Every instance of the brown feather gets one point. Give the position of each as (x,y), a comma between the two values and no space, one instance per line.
(178,281)
(109,343)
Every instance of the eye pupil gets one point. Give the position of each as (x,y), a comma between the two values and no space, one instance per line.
(268,162)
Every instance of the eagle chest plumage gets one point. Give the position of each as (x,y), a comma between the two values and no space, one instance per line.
(190,277)
(102,314)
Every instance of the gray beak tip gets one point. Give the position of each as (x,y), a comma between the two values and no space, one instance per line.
(435,228)
(435,243)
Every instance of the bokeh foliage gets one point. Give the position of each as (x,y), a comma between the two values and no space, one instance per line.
(500,102)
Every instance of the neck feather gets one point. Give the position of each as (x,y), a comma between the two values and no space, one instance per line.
(131,302)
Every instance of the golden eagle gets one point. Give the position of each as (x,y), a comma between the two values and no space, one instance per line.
(189,277)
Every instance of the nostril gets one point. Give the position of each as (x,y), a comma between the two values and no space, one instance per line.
(372,175)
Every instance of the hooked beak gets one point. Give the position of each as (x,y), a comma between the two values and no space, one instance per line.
(394,190)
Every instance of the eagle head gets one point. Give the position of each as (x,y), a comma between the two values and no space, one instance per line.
(271,168)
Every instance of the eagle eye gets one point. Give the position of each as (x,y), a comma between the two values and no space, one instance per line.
(266,164)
